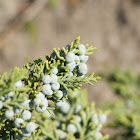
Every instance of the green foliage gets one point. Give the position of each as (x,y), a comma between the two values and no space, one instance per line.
(86,120)
(126,109)
(40,86)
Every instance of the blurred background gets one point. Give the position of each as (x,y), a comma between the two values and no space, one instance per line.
(32,28)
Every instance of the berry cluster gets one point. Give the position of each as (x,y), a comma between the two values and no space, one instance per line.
(11,108)
(77,58)
(18,113)
(76,120)
(52,88)
(39,85)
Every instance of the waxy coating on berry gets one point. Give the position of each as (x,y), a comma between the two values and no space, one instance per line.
(71,65)
(82,68)
(83,58)
(95,119)
(18,84)
(60,103)
(61,133)
(47,113)
(10,94)
(102,118)
(26,115)
(82,48)
(55,86)
(58,95)
(46,89)
(40,95)
(37,101)
(30,127)
(78,118)
(46,79)
(9,114)
(44,102)
(54,78)
(55,70)
(65,108)
(71,128)
(70,57)
(2,98)
(40,108)
(18,122)
(26,102)
(78,108)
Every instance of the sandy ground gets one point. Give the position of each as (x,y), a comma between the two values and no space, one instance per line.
(112,26)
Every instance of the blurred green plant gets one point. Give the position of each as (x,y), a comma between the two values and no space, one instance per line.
(31,28)
(75,120)
(126,109)
(53,3)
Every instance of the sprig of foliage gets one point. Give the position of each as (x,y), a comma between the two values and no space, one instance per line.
(75,120)
(126,109)
(32,88)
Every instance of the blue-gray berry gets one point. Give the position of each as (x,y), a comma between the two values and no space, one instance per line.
(65,108)
(37,101)
(95,119)
(71,128)
(40,96)
(25,103)
(40,108)
(58,95)
(82,48)
(26,115)
(18,122)
(78,108)
(2,98)
(9,114)
(61,133)
(30,127)
(70,57)
(54,78)
(82,68)
(71,65)
(47,113)
(46,89)
(102,118)
(83,58)
(18,84)
(60,103)
(55,70)
(46,79)
(10,94)
(55,86)
(44,102)
(78,118)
